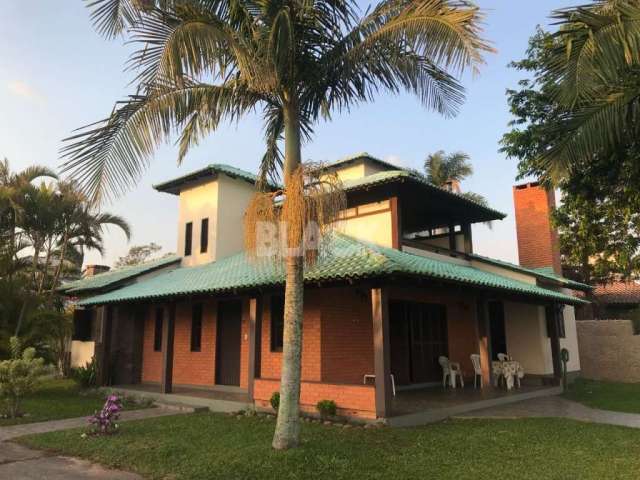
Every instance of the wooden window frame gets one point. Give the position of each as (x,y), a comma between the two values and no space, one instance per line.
(277,324)
(197,311)
(158,326)
(204,235)
(188,239)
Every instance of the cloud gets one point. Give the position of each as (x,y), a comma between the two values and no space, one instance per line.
(21,89)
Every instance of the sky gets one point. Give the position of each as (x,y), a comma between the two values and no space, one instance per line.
(58,74)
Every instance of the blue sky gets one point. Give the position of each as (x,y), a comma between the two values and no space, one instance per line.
(57,74)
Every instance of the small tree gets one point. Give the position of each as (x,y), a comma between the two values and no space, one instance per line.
(19,376)
(138,254)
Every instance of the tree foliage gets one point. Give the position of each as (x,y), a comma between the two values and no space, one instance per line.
(19,376)
(442,169)
(138,254)
(598,218)
(45,229)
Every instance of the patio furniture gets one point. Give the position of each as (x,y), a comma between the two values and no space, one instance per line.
(368,376)
(511,371)
(451,371)
(477,369)
(503,357)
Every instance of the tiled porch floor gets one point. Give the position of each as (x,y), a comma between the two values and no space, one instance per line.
(430,398)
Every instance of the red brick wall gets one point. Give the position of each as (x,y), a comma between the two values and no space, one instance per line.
(538,244)
(351,400)
(270,362)
(151,361)
(194,368)
(347,335)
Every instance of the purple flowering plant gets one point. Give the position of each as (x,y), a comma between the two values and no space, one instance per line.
(103,422)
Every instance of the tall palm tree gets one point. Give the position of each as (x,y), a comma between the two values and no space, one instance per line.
(442,169)
(200,62)
(595,67)
(448,170)
(13,188)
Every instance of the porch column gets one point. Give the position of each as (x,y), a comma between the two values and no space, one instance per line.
(381,353)
(101,347)
(554,338)
(484,342)
(452,237)
(168,331)
(468,238)
(254,312)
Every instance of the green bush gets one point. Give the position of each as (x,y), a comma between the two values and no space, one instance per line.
(19,376)
(275,401)
(327,408)
(86,376)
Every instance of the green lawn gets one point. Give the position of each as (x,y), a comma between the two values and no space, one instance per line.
(56,399)
(620,397)
(212,446)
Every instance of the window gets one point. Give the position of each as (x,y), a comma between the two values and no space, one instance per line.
(82,325)
(204,235)
(196,327)
(157,337)
(188,237)
(277,323)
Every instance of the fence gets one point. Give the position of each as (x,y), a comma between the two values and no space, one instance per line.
(609,350)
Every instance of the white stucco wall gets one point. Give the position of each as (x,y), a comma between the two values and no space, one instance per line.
(570,342)
(223,201)
(81,353)
(527,340)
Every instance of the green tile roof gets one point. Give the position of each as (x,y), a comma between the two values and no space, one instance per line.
(544,273)
(345,258)
(172,185)
(113,277)
(389,176)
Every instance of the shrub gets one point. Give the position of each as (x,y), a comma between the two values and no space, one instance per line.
(86,376)
(327,408)
(19,376)
(275,401)
(104,421)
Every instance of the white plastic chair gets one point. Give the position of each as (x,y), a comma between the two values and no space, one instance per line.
(503,357)
(477,369)
(450,370)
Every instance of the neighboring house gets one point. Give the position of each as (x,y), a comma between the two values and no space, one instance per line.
(398,287)
(98,279)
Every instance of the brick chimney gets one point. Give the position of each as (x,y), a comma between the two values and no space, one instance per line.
(91,270)
(538,243)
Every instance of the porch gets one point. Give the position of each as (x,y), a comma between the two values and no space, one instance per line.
(214,399)
(432,404)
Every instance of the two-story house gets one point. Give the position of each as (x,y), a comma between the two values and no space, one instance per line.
(401,288)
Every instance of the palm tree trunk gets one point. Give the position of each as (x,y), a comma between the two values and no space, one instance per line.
(287,431)
(63,254)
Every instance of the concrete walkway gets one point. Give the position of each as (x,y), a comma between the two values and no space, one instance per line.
(556,407)
(18,462)
(21,463)
(15,431)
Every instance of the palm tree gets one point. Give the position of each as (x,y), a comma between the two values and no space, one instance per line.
(594,67)
(13,189)
(200,62)
(448,170)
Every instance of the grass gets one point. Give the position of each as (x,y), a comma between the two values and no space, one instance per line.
(215,446)
(56,399)
(619,397)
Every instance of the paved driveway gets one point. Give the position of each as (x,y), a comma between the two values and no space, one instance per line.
(21,463)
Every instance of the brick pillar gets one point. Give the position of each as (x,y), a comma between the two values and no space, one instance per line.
(538,244)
